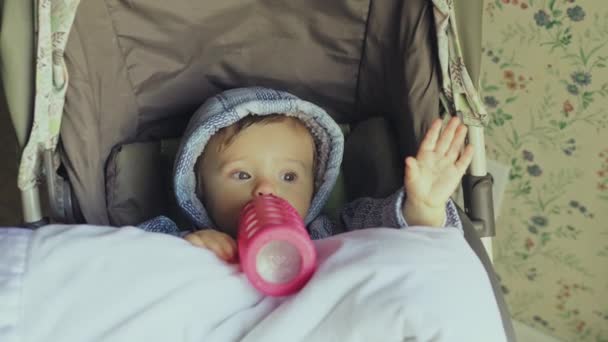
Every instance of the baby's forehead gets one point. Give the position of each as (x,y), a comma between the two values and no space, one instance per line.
(225,136)
(290,129)
(298,124)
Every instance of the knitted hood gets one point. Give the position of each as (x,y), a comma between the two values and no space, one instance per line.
(229,107)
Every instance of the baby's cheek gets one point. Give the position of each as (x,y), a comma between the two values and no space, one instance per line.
(301,204)
(227,209)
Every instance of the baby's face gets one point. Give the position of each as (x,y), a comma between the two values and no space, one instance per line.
(271,158)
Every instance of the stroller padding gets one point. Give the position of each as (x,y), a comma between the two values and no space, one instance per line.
(372,164)
(138,178)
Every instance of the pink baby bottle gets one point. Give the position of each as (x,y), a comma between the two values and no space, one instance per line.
(275,250)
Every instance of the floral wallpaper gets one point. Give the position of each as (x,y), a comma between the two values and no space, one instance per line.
(544,80)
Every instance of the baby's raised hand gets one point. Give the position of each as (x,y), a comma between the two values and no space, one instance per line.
(223,245)
(433,175)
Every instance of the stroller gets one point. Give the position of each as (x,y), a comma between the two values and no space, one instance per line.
(115,82)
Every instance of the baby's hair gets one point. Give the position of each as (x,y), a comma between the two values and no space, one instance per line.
(227,134)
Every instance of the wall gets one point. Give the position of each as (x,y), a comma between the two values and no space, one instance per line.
(545,82)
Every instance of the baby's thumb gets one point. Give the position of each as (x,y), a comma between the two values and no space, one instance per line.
(411,169)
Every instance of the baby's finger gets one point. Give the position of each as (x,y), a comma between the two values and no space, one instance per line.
(229,247)
(457,143)
(446,137)
(217,246)
(195,239)
(233,245)
(465,159)
(411,169)
(430,138)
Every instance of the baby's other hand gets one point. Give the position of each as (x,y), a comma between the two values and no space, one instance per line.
(222,244)
(433,175)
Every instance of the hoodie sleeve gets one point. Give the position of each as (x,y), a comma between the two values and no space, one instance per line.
(386,212)
(161,224)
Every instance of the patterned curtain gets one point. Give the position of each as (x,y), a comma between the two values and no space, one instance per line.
(459,95)
(54,19)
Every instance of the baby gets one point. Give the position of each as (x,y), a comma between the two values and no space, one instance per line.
(255,141)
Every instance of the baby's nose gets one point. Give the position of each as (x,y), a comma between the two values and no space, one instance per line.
(264,187)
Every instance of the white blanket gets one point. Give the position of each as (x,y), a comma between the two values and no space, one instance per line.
(89,283)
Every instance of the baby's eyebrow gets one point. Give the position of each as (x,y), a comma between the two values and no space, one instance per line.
(296,161)
(227,163)
(224,164)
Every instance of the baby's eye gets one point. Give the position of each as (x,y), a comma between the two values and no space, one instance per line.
(290,177)
(241,175)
